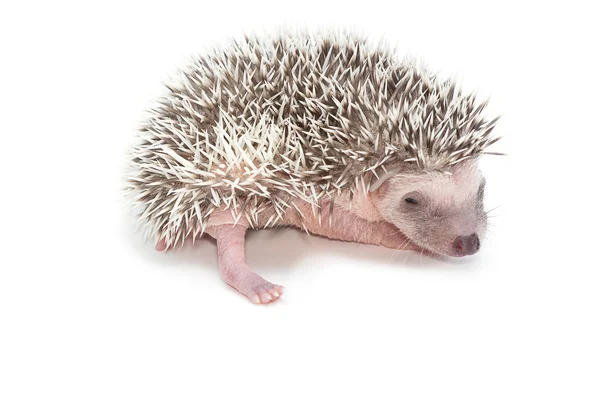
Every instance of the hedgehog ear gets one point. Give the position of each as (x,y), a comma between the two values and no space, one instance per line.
(375,185)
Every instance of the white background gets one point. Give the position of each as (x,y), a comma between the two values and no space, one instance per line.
(89,311)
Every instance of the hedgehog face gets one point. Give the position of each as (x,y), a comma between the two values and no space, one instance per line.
(440,212)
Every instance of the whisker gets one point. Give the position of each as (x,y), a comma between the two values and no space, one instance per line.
(397,250)
(489,211)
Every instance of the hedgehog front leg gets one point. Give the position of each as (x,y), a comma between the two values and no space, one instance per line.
(233,268)
(362,231)
(347,226)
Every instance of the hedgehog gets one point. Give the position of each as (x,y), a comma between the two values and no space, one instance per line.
(327,132)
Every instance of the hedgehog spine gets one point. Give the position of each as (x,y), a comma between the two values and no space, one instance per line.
(266,121)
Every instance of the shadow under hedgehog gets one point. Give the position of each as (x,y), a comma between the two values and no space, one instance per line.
(324,131)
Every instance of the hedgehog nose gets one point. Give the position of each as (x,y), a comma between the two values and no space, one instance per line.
(466,245)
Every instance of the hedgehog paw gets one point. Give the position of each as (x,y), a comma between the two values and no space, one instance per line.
(258,290)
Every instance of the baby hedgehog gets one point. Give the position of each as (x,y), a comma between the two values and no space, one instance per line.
(325,132)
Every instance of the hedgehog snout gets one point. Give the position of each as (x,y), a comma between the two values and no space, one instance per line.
(466,245)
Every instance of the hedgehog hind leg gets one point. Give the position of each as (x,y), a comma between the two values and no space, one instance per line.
(161,245)
(233,268)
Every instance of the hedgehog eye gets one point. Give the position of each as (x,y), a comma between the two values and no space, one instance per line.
(413,198)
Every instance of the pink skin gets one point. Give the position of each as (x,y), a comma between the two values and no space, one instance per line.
(445,209)
(233,268)
(363,225)
(352,226)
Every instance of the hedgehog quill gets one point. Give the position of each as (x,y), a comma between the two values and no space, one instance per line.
(325,132)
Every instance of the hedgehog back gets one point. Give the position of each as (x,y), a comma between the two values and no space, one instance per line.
(262,122)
